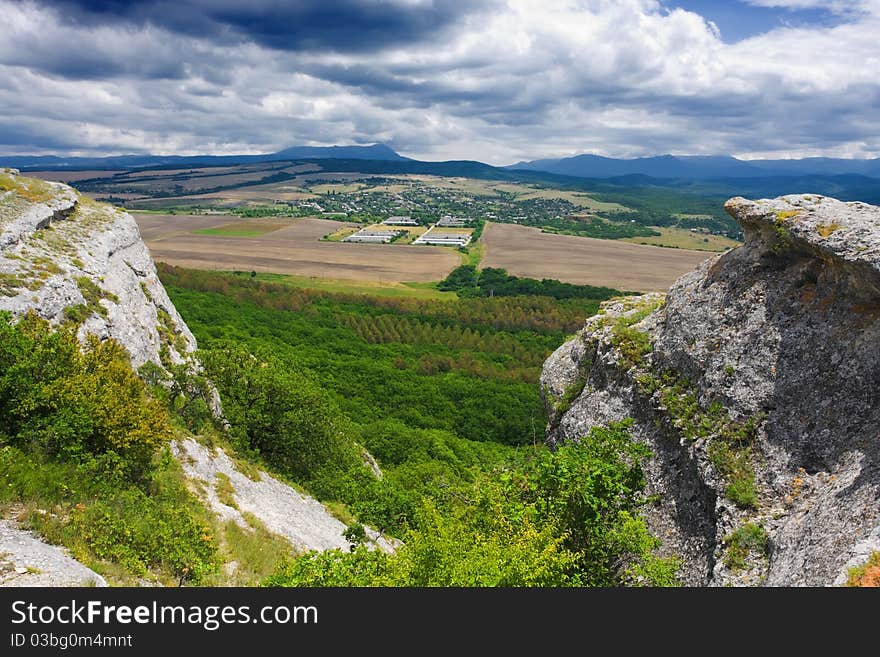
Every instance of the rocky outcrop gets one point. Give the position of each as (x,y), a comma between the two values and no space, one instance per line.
(25,560)
(756,382)
(230,493)
(70,259)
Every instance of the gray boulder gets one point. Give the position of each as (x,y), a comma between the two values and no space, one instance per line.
(757,385)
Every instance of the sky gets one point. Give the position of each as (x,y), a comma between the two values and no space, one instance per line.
(492,80)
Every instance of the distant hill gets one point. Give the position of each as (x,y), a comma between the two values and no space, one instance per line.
(379,152)
(374,152)
(699,167)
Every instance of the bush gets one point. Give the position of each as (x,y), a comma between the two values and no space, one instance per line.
(748,538)
(563,519)
(157,527)
(62,402)
(279,414)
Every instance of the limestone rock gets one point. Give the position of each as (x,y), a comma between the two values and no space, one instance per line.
(66,257)
(301,519)
(778,344)
(25,560)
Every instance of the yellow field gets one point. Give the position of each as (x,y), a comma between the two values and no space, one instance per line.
(342,233)
(682,238)
(390,189)
(70,176)
(336,188)
(451,230)
(576,198)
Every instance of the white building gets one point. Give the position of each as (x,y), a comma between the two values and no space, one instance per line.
(372,236)
(400,221)
(453,222)
(443,239)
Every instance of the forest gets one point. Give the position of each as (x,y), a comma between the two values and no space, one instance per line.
(442,394)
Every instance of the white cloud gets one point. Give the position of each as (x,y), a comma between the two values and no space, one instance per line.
(837,6)
(526,80)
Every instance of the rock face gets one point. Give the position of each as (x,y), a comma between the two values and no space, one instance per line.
(68,258)
(302,520)
(757,384)
(25,560)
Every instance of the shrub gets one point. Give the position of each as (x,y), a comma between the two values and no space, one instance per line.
(62,402)
(868,574)
(282,416)
(747,539)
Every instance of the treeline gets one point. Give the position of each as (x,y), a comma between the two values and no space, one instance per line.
(468,281)
(612,226)
(542,314)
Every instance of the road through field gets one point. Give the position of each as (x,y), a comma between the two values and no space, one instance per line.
(525,251)
(295,249)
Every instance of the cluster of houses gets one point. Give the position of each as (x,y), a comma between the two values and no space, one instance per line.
(380,235)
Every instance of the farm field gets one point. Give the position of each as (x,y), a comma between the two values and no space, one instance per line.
(253,228)
(72,176)
(525,251)
(682,238)
(295,249)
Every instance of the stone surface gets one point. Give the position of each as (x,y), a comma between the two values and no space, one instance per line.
(784,331)
(25,560)
(46,246)
(300,519)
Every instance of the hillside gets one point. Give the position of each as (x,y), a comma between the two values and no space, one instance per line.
(754,383)
(100,389)
(722,434)
(134,473)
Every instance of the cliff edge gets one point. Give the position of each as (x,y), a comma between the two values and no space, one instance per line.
(70,259)
(756,382)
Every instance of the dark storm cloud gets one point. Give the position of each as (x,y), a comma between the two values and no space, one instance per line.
(303,25)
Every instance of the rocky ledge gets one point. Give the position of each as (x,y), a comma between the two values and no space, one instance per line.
(756,382)
(70,259)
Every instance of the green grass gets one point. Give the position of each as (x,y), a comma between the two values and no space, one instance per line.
(737,469)
(747,539)
(415,290)
(31,189)
(255,551)
(473,255)
(225,490)
(241,229)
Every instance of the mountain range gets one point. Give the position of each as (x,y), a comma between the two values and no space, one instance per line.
(378,152)
(708,176)
(700,167)
(690,167)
